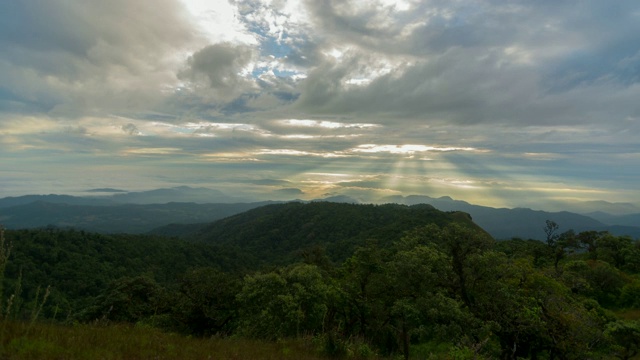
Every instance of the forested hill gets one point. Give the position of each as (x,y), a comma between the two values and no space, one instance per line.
(280,232)
(80,265)
(389,279)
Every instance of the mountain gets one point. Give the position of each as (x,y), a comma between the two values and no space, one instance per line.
(339,199)
(115,196)
(623,220)
(587,207)
(503,223)
(53,199)
(122,218)
(138,212)
(284,231)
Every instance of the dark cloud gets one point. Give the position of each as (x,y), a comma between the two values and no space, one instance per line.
(130,129)
(220,64)
(289,191)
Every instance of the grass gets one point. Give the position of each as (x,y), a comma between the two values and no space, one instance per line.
(629,314)
(48,341)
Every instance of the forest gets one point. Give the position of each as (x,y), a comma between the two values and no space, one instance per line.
(354,281)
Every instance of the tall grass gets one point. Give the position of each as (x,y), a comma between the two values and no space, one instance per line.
(629,314)
(91,341)
(5,251)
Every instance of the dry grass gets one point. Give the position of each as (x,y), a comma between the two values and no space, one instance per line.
(45,341)
(629,314)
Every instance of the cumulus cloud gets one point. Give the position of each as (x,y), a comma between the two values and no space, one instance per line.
(221,67)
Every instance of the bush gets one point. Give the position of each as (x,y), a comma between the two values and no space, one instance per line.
(630,295)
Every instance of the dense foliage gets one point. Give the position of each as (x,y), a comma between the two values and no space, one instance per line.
(277,234)
(392,279)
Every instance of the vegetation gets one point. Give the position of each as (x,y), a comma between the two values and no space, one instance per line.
(322,280)
(125,341)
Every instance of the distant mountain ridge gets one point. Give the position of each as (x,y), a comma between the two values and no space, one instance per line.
(503,223)
(53,199)
(623,220)
(169,210)
(115,196)
(120,218)
(588,207)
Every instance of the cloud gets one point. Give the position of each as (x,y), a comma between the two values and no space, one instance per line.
(406,149)
(70,57)
(220,66)
(529,93)
(465,63)
(269,182)
(106,190)
(289,192)
(324,124)
(131,129)
(152,151)
(419,61)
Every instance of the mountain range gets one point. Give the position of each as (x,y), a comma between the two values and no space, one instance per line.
(168,211)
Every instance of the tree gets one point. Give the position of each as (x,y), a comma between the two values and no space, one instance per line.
(418,303)
(206,301)
(505,303)
(617,250)
(428,278)
(284,303)
(551,231)
(363,285)
(558,243)
(129,299)
(460,243)
(624,336)
(630,294)
(590,240)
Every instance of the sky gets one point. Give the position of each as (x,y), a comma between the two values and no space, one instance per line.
(499,103)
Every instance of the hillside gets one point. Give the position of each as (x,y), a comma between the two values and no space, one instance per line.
(282,231)
(78,263)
